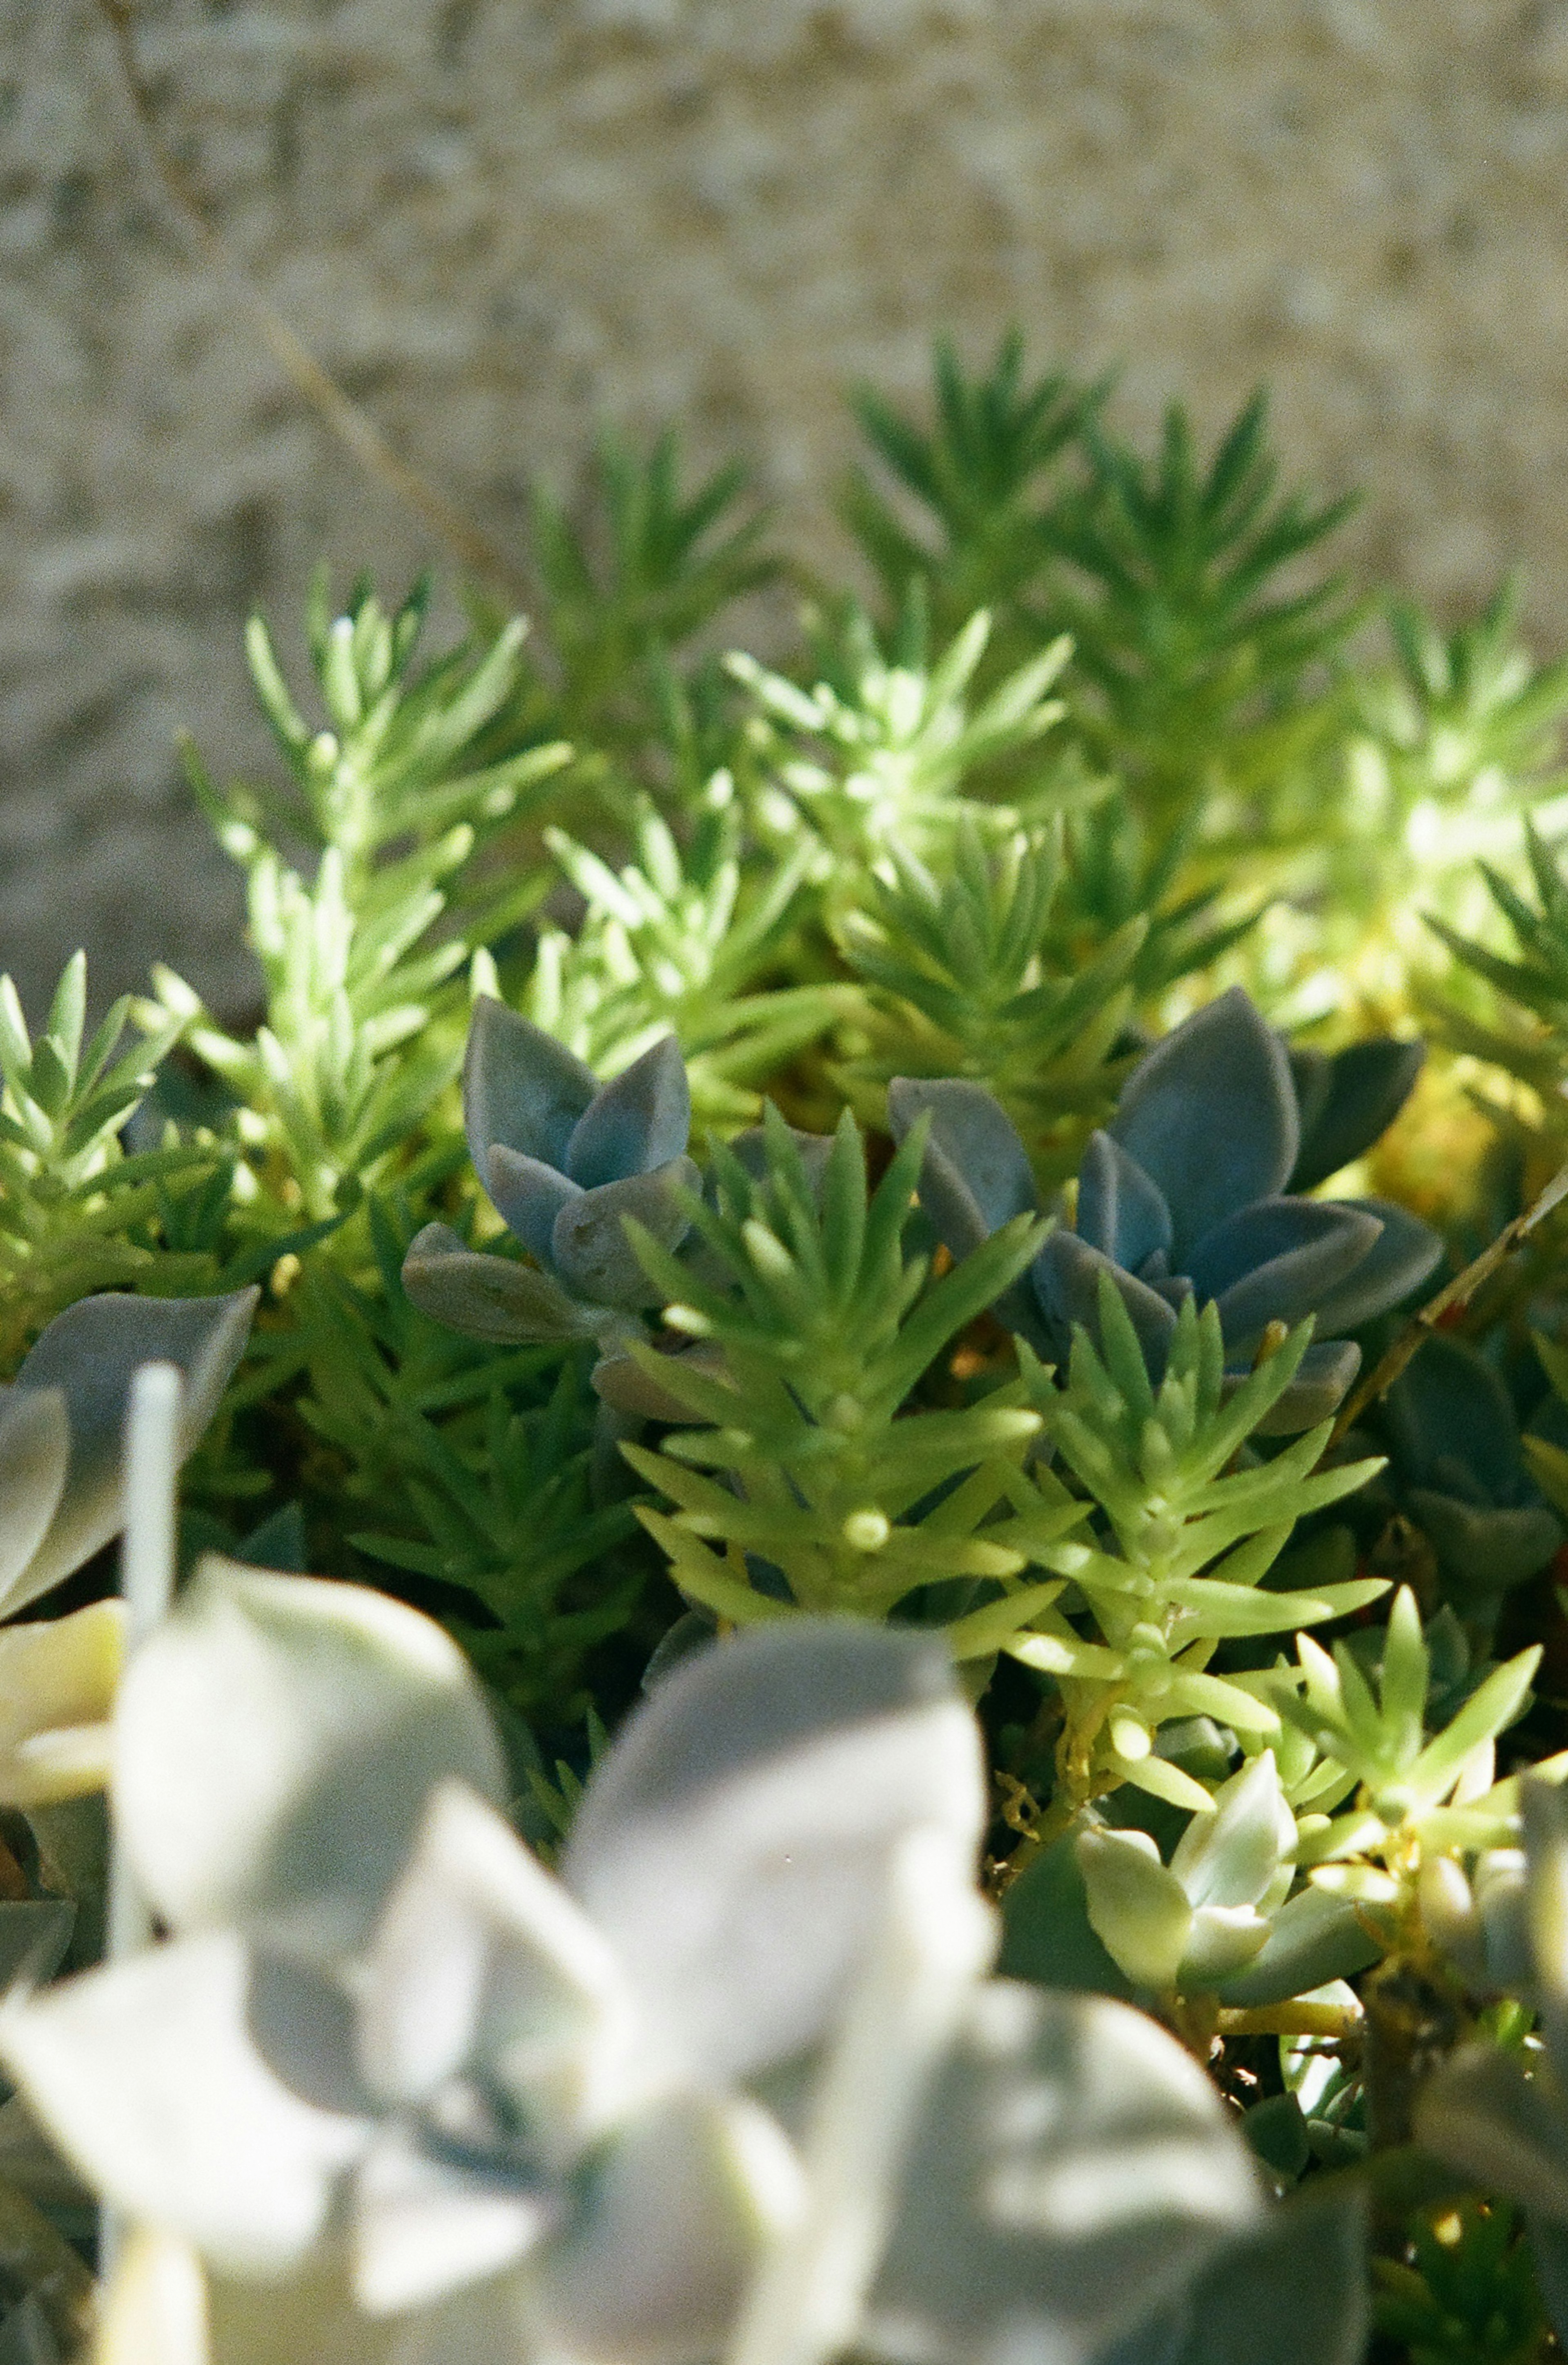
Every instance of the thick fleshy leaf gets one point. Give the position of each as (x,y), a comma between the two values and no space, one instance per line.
(1073,2170)
(677,2208)
(1119,1210)
(301,2019)
(1223,1940)
(589,1248)
(1047,1935)
(1402,1256)
(908,2002)
(1210,1114)
(92,1353)
(277,1741)
(1315,1937)
(1321,1378)
(1312,1076)
(528,1196)
(1488,1551)
(488,1296)
(621,1382)
(734,1844)
(58,1681)
(1066,1277)
(1231,1856)
(426,2226)
(1278,1260)
(1292,2292)
(146,2077)
(638,1123)
(520,1087)
(1447,1407)
(34,1447)
(1352,1100)
(979,1176)
(1482,2113)
(1137,1908)
(482,1964)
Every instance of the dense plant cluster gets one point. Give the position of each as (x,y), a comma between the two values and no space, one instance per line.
(909,1305)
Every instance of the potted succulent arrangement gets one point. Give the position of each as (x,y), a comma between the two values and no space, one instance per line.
(843,1457)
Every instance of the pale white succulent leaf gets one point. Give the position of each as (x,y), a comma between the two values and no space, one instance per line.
(934,1941)
(147,2077)
(91,1353)
(735,1844)
(1138,1907)
(58,1681)
(1230,1857)
(425,2227)
(154,2305)
(481,1960)
(1073,2170)
(275,1744)
(679,2208)
(1223,1940)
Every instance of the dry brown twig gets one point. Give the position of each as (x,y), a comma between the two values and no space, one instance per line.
(1455,1293)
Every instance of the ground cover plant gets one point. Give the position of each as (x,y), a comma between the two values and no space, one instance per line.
(861,1651)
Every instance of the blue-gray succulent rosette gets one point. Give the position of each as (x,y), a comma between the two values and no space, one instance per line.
(1196,1189)
(565,1159)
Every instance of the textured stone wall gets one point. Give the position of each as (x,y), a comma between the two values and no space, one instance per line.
(500,220)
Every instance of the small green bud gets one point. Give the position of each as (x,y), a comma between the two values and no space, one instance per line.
(767,1252)
(1273,1338)
(866,1531)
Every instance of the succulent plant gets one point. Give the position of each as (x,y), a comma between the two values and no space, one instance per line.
(840,1494)
(1182,1546)
(1187,1193)
(62,1425)
(1417,1795)
(1497,2112)
(528,2108)
(884,755)
(566,1161)
(1192,1922)
(73,1199)
(678,942)
(1458,1471)
(966,974)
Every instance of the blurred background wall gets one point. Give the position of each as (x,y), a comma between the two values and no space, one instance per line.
(500,222)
